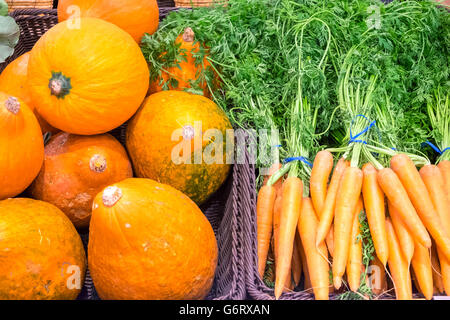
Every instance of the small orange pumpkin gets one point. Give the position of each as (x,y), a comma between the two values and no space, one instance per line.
(75,169)
(87,80)
(41,254)
(150,241)
(13,81)
(167,124)
(187,72)
(136,17)
(21,146)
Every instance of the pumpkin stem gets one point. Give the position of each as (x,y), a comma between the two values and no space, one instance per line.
(98,163)
(12,105)
(111,195)
(59,85)
(188,35)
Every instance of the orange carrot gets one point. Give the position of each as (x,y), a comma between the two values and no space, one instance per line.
(444,166)
(290,211)
(307,282)
(377,276)
(397,195)
(327,214)
(375,211)
(264,216)
(330,240)
(273,169)
(347,198)
(315,256)
(437,275)
(404,237)
(421,263)
(318,183)
(420,197)
(445,273)
(354,263)
(296,263)
(398,265)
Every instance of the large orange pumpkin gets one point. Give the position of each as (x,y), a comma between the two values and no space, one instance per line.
(150,241)
(187,73)
(136,17)
(41,254)
(169,122)
(21,146)
(88,79)
(13,81)
(75,169)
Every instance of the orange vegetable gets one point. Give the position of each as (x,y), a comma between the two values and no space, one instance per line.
(136,17)
(376,276)
(264,217)
(315,256)
(420,197)
(296,266)
(437,274)
(397,195)
(375,211)
(327,215)
(354,263)
(290,211)
(347,198)
(421,263)
(444,166)
(404,237)
(318,183)
(398,266)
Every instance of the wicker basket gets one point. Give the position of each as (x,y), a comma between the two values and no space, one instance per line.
(223,210)
(29,4)
(199,3)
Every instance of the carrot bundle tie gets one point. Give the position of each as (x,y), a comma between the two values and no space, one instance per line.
(369,126)
(302,159)
(435,148)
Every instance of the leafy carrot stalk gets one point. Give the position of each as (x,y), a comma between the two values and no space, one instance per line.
(264,220)
(398,266)
(397,195)
(327,215)
(347,198)
(290,211)
(296,263)
(375,211)
(318,184)
(418,193)
(421,263)
(437,275)
(377,277)
(315,256)
(272,170)
(355,263)
(404,237)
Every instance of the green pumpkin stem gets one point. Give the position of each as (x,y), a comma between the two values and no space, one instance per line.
(59,85)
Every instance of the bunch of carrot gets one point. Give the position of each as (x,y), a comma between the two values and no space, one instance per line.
(406,210)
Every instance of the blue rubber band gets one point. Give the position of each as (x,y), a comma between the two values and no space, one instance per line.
(302,159)
(277,146)
(353,138)
(434,147)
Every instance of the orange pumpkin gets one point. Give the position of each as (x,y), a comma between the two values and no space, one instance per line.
(166,143)
(21,146)
(41,254)
(75,169)
(87,80)
(150,241)
(136,17)
(187,73)
(13,81)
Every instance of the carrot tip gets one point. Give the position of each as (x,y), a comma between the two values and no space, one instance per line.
(337,281)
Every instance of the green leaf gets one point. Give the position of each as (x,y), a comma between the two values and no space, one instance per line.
(3,8)
(9,36)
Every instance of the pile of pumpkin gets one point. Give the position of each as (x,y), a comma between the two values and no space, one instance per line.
(148,238)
